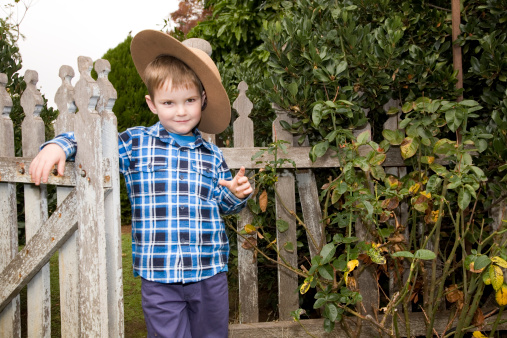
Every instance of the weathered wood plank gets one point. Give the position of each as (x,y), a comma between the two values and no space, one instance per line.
(93,307)
(247,260)
(36,209)
(312,214)
(111,200)
(15,170)
(291,329)
(285,203)
(38,250)
(68,260)
(10,319)
(237,157)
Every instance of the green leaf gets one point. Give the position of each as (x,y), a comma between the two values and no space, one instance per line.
(331,311)
(378,172)
(444,146)
(409,147)
(327,253)
(464,199)
(363,137)
(326,272)
(289,247)
(439,169)
(481,262)
(425,254)
(395,137)
(321,148)
(319,303)
(293,88)
(406,254)
(479,172)
(328,325)
(282,225)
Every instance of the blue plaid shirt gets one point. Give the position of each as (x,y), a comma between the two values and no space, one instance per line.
(178,234)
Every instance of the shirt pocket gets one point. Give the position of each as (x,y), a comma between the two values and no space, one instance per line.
(205,178)
(149,175)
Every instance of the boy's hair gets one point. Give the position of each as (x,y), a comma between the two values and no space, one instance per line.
(168,68)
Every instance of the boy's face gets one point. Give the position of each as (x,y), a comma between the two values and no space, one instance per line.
(178,109)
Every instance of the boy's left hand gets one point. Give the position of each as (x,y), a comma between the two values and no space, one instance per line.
(239,186)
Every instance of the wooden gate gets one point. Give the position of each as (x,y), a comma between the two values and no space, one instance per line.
(86,236)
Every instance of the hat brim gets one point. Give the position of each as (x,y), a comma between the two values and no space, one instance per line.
(149,44)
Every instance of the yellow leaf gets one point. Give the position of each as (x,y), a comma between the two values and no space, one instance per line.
(351,265)
(496,275)
(426,194)
(501,295)
(486,279)
(414,189)
(479,334)
(499,261)
(306,286)
(250,229)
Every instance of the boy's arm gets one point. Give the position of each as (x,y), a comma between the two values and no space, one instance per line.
(52,152)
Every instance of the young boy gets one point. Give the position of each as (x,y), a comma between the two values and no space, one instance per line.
(178,187)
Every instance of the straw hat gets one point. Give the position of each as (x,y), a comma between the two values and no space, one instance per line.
(149,44)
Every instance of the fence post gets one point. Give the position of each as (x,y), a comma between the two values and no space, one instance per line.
(247,260)
(105,105)
(68,260)
(288,298)
(10,320)
(367,277)
(93,307)
(36,209)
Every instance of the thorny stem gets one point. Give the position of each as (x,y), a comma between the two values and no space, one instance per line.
(284,264)
(367,318)
(436,249)
(447,266)
(297,218)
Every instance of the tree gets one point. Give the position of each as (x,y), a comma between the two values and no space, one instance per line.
(189,14)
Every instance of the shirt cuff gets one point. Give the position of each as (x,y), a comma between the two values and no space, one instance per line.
(67,145)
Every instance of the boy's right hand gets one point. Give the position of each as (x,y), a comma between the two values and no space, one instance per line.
(44,162)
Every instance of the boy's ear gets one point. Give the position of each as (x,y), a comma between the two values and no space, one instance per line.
(150,104)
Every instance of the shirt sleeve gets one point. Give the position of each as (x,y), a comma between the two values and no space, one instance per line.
(67,142)
(124,150)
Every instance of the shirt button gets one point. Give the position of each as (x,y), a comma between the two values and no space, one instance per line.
(149,165)
(182,207)
(208,170)
(182,177)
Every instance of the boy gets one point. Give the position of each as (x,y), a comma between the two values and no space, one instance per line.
(178,187)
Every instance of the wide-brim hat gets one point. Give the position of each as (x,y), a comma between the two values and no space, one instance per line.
(149,44)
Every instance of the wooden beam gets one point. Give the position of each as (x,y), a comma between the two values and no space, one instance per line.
(316,327)
(15,169)
(37,252)
(237,157)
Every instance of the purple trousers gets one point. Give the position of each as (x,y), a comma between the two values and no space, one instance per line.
(191,310)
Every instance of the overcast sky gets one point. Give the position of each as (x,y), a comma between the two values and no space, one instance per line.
(58,31)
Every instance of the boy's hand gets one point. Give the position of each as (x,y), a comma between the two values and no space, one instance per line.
(239,186)
(44,162)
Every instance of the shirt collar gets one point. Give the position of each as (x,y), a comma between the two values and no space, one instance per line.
(158,131)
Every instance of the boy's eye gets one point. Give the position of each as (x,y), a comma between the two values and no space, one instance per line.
(191,100)
(167,103)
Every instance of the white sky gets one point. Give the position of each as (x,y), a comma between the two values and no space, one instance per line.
(58,31)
